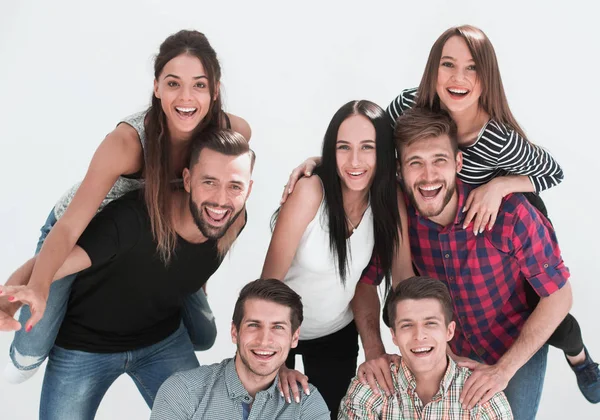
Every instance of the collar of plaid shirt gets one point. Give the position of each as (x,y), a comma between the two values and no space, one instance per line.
(406,380)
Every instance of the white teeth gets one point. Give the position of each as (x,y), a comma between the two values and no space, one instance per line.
(431,187)
(264,353)
(216,211)
(458,90)
(422,349)
(356,173)
(180,109)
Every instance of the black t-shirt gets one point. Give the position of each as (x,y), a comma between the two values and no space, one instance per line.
(128,298)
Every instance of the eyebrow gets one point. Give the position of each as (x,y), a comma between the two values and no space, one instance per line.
(420,157)
(429,318)
(362,141)
(258,321)
(447,57)
(177,77)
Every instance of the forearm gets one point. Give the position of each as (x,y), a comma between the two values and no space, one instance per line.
(513,184)
(548,314)
(365,306)
(55,251)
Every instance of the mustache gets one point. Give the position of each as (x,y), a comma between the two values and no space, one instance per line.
(435,181)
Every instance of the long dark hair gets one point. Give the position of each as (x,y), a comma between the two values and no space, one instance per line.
(492,99)
(158,171)
(384,204)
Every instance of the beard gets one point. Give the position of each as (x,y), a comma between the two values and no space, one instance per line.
(208,230)
(431,212)
(249,367)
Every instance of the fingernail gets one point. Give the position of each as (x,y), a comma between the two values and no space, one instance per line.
(11,298)
(28,328)
(289,191)
(308,174)
(308,392)
(297,400)
(281,393)
(289,401)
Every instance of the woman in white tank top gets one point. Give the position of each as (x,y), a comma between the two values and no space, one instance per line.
(325,234)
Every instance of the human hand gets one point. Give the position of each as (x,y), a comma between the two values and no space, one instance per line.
(289,378)
(34,297)
(482,205)
(377,371)
(7,311)
(305,169)
(485,382)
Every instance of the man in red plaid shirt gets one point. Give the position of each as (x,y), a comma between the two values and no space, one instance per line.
(498,334)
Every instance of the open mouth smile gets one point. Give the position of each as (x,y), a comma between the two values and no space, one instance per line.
(429,192)
(458,93)
(216,216)
(263,355)
(185,112)
(421,351)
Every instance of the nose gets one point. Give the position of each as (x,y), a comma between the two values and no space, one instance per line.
(264,336)
(429,172)
(219,196)
(420,333)
(185,93)
(458,74)
(356,158)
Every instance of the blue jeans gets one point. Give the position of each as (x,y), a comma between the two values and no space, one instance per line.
(29,349)
(76,381)
(525,388)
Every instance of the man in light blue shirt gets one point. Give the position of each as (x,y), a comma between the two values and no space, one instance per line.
(266,324)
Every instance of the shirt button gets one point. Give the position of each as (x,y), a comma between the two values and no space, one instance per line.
(246,398)
(546,265)
(450,278)
(447,256)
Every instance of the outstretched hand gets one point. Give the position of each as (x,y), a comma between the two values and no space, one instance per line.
(35,298)
(485,382)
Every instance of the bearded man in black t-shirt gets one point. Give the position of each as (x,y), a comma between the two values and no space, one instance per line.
(125,309)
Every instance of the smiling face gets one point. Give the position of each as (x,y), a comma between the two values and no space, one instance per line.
(428,169)
(219,186)
(421,334)
(183,89)
(355,153)
(458,86)
(264,338)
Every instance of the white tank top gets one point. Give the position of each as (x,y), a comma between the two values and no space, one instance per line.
(313,274)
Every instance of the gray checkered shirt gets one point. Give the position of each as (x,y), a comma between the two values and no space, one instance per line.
(215,392)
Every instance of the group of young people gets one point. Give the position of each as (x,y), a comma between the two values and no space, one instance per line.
(437,197)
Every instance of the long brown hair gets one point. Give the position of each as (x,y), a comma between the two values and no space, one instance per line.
(158,170)
(492,99)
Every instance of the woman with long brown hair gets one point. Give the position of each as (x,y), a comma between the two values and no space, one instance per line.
(149,148)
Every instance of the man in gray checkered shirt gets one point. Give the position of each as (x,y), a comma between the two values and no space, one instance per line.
(266,324)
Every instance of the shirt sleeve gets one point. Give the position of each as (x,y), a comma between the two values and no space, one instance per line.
(314,407)
(173,401)
(360,403)
(521,157)
(404,101)
(372,274)
(497,408)
(536,248)
(113,231)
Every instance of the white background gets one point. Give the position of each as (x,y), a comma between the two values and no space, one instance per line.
(70,70)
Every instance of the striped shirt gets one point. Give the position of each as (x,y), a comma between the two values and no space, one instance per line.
(361,403)
(498,150)
(216,392)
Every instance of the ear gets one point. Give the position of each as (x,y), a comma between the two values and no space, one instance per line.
(450,330)
(156,93)
(234,334)
(187,179)
(249,188)
(459,161)
(217,91)
(295,338)
(394,337)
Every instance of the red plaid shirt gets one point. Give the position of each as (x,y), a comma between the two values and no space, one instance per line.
(486,274)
